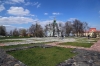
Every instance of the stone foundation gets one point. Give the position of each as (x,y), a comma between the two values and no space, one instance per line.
(84,58)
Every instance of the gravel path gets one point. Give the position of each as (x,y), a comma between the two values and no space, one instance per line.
(37,40)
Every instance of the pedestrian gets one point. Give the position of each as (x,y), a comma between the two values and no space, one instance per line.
(62,36)
(88,36)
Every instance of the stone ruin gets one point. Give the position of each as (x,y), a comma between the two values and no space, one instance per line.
(83,57)
(8,60)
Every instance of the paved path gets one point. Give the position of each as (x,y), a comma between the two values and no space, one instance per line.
(36,40)
(2,44)
(94,47)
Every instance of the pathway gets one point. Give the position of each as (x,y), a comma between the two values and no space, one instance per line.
(94,47)
(36,40)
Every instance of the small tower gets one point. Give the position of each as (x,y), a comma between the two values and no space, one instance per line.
(54,27)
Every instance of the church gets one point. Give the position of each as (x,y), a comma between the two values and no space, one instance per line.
(54,29)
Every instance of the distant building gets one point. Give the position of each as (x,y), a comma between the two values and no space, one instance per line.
(92,32)
(53,30)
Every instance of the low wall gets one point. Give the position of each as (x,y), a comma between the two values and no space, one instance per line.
(8,60)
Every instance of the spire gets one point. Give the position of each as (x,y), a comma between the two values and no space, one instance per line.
(54,20)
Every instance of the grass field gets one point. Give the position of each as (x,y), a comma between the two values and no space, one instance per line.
(82,42)
(42,57)
(77,44)
(3,41)
(20,45)
(86,40)
(13,37)
(48,56)
(24,45)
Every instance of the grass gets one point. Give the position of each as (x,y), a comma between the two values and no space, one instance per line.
(86,40)
(3,41)
(77,44)
(43,57)
(13,37)
(15,46)
(23,45)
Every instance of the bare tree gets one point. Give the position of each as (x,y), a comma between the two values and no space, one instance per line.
(3,30)
(22,32)
(11,33)
(85,26)
(61,29)
(15,32)
(31,29)
(78,27)
(36,30)
(68,27)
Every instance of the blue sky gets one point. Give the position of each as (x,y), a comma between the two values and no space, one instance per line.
(23,13)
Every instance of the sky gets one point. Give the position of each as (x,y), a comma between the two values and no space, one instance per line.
(24,13)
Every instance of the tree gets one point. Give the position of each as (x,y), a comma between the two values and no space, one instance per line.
(85,27)
(60,29)
(78,27)
(94,35)
(15,32)
(22,32)
(46,29)
(32,29)
(3,30)
(68,27)
(11,33)
(36,30)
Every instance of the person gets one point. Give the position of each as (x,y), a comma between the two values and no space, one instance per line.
(88,36)
(62,36)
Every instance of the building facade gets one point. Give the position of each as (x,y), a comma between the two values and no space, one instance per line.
(93,32)
(53,30)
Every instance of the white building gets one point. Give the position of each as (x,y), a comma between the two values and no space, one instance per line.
(53,29)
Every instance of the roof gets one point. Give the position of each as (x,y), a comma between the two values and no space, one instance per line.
(92,30)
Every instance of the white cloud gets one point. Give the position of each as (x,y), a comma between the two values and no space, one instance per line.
(56,13)
(6,25)
(71,19)
(99,12)
(35,3)
(18,1)
(2,8)
(38,5)
(43,23)
(45,13)
(14,1)
(28,3)
(52,17)
(18,11)
(9,27)
(16,20)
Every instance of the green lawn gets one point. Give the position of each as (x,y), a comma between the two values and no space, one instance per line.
(77,44)
(43,57)
(20,45)
(3,41)
(24,45)
(13,37)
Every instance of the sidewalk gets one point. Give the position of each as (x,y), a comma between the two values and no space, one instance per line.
(2,44)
